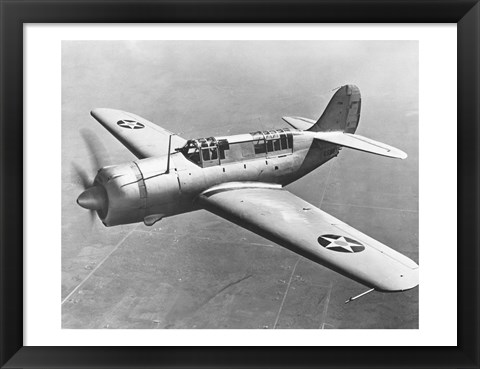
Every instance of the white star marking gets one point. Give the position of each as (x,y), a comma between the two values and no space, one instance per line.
(340,242)
(132,125)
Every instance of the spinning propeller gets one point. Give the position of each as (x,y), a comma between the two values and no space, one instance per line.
(93,197)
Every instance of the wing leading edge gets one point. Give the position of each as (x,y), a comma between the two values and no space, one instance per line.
(142,137)
(284,218)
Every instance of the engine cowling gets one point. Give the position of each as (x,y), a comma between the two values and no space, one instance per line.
(133,192)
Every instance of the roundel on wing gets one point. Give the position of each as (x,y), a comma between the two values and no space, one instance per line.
(130,124)
(340,243)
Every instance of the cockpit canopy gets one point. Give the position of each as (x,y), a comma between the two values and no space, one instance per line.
(210,151)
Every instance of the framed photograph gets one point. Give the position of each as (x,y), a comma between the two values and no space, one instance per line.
(239,184)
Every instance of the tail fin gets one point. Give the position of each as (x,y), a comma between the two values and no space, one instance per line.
(342,113)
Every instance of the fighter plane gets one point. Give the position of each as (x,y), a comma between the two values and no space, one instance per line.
(242,178)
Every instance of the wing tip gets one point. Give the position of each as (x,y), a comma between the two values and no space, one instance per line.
(406,281)
(399,154)
(99,111)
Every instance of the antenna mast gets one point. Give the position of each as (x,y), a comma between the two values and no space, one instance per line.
(168,158)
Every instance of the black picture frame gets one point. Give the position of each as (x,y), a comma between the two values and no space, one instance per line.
(14,14)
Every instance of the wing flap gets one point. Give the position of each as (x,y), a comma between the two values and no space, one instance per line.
(142,137)
(361,143)
(284,218)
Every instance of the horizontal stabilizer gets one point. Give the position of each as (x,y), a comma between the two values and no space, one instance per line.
(299,122)
(360,143)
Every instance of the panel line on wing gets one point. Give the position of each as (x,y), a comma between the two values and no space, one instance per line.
(371,207)
(370,142)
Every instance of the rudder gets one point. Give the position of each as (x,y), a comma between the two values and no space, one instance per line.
(342,112)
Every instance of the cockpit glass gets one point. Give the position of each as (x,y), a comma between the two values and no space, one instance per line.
(206,154)
(191,151)
(209,149)
(213,153)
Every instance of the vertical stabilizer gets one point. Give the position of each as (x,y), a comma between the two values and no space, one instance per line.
(342,113)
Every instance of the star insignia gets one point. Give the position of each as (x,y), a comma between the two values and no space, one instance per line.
(340,243)
(130,124)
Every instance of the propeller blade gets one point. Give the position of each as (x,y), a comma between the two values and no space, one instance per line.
(98,153)
(80,175)
(93,198)
(92,218)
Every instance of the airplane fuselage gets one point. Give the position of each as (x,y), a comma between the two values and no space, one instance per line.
(150,189)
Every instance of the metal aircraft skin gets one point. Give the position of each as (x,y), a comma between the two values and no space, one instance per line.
(241,179)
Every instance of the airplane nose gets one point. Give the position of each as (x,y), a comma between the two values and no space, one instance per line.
(93,198)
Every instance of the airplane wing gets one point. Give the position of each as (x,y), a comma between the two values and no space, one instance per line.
(143,138)
(280,216)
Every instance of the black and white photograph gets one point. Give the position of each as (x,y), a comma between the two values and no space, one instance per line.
(240,184)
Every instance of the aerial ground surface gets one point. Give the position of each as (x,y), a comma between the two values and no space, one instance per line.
(197,270)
